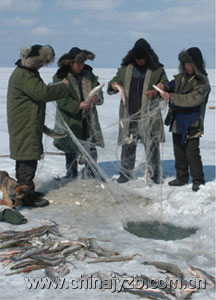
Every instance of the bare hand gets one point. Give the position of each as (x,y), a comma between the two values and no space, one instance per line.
(150,94)
(113,86)
(84,105)
(94,99)
(165,96)
(66,82)
(161,86)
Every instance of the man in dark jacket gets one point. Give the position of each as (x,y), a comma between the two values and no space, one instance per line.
(140,116)
(187,94)
(26,99)
(79,115)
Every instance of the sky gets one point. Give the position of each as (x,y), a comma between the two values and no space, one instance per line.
(109,28)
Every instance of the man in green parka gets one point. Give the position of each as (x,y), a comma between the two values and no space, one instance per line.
(26,100)
(80,116)
(140,116)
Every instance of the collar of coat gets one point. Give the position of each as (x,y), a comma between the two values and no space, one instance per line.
(19,64)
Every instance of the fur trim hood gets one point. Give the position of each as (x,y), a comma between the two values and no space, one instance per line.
(37,55)
(142,49)
(75,55)
(194,56)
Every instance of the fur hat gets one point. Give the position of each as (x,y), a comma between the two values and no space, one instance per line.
(75,55)
(192,55)
(142,49)
(37,55)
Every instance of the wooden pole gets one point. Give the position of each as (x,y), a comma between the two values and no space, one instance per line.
(45,153)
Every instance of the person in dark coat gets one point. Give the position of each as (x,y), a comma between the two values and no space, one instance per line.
(26,100)
(187,94)
(80,116)
(140,117)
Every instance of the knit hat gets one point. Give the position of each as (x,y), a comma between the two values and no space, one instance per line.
(75,55)
(37,55)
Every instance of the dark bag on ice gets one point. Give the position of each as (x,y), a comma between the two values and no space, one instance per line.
(12,216)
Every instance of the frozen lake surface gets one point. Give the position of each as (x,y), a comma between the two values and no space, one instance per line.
(84,209)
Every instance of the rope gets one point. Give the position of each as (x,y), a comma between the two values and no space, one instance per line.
(45,153)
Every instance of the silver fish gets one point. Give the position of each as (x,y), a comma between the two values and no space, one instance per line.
(81,255)
(106,253)
(157,89)
(147,293)
(62,271)
(23,264)
(94,92)
(91,254)
(121,92)
(52,133)
(28,269)
(93,245)
(33,251)
(199,273)
(168,267)
(72,249)
(111,259)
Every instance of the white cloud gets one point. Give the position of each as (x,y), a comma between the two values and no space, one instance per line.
(18,21)
(183,17)
(88,4)
(21,5)
(43,31)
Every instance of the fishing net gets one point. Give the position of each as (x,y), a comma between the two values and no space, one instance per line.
(145,156)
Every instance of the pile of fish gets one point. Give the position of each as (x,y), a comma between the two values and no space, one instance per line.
(45,247)
(37,249)
(173,286)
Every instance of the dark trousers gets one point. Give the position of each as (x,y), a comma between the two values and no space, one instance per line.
(25,172)
(128,158)
(188,155)
(93,153)
(71,164)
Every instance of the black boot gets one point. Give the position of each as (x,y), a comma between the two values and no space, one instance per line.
(39,194)
(196,185)
(123,178)
(31,200)
(72,172)
(86,173)
(156,179)
(177,182)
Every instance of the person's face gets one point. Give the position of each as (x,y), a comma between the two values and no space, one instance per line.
(189,68)
(77,67)
(140,61)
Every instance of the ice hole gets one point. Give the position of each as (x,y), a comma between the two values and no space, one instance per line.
(159,231)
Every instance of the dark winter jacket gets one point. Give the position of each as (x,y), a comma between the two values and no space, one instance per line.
(189,97)
(27,95)
(79,121)
(136,81)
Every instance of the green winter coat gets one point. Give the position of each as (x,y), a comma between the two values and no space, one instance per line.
(67,109)
(146,122)
(26,98)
